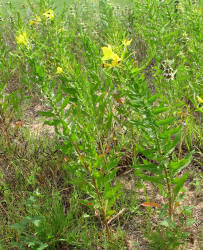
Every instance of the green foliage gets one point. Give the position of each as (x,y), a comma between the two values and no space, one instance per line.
(121,86)
(158,145)
(169,237)
(44,226)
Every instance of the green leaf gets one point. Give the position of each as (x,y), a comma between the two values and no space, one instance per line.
(42,246)
(109,213)
(165,121)
(36,221)
(170,146)
(150,153)
(54,122)
(65,103)
(59,95)
(169,132)
(46,113)
(164,223)
(159,110)
(190,222)
(153,179)
(153,98)
(150,167)
(71,91)
(39,70)
(109,121)
(111,192)
(179,184)
(86,215)
(176,167)
(19,227)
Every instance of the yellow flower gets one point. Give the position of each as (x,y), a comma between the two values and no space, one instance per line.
(32,22)
(110,55)
(49,14)
(126,42)
(116,60)
(199,99)
(38,19)
(22,39)
(35,21)
(106,65)
(59,70)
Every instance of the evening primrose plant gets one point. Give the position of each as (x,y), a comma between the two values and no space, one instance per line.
(159,163)
(83,119)
(111,107)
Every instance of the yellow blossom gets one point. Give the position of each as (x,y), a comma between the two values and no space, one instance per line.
(35,21)
(106,65)
(22,39)
(49,14)
(38,19)
(126,42)
(59,70)
(32,22)
(199,99)
(110,55)
(116,60)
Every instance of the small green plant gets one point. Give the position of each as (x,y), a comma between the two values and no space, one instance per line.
(44,225)
(169,237)
(159,140)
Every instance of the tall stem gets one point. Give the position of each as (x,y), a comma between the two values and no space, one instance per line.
(170,207)
(98,194)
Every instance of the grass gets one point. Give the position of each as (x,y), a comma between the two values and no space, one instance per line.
(101,125)
(20,5)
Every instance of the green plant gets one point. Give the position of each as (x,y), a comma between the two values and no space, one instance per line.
(121,86)
(44,225)
(169,237)
(158,145)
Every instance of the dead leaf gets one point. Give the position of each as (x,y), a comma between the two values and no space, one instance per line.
(151,204)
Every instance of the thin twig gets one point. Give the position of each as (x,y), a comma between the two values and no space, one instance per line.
(116,216)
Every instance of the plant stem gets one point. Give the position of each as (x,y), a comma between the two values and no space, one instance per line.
(98,194)
(169,192)
(170,207)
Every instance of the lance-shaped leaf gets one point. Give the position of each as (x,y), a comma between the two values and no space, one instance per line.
(59,94)
(150,167)
(165,121)
(170,146)
(153,179)
(169,132)
(179,182)
(150,154)
(176,167)
(64,103)
(153,98)
(159,110)
(46,113)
